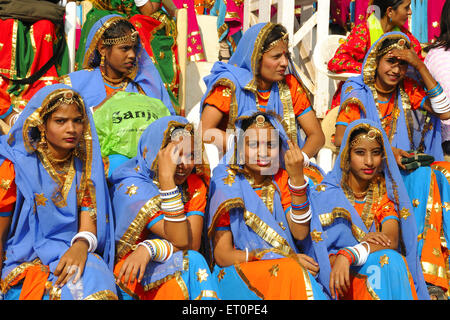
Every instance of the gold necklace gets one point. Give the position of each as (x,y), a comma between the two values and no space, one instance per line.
(111,80)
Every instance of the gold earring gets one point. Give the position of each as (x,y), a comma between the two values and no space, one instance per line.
(102,61)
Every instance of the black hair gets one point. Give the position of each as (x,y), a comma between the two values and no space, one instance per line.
(390,41)
(385,4)
(116,30)
(276,33)
(443,40)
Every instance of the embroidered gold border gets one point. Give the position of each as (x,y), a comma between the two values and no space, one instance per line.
(130,237)
(247,282)
(224,206)
(433,269)
(102,295)
(288,110)
(14,273)
(442,169)
(327,219)
(369,288)
(267,233)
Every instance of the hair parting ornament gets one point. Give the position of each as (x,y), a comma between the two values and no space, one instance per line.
(68,97)
(401,45)
(371,135)
(284,38)
(132,37)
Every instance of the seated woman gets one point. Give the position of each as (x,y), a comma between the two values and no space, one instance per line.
(365,240)
(157,30)
(114,61)
(384,94)
(261,76)
(389,15)
(56,217)
(257,212)
(159,201)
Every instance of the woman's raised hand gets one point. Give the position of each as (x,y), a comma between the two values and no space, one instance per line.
(167,164)
(293,161)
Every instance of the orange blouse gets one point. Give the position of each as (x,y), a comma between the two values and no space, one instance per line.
(8,190)
(383,212)
(281,179)
(415,92)
(220,97)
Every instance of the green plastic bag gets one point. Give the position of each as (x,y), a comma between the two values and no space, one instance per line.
(122,119)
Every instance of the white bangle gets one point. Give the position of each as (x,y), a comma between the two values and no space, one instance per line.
(301,218)
(144,244)
(305,159)
(299,187)
(246,254)
(362,252)
(175,219)
(89,237)
(140,3)
(440,103)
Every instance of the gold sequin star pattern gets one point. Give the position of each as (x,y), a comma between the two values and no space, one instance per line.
(384,260)
(274,270)
(321,187)
(48,37)
(404,213)
(5,184)
(316,236)
(144,153)
(446,205)
(415,203)
(40,199)
(131,190)
(349,89)
(229,180)
(202,275)
(221,275)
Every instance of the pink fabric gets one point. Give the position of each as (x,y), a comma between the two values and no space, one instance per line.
(235,16)
(194,41)
(434,18)
(438,62)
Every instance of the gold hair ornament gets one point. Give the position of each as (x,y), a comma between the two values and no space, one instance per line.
(373,134)
(284,38)
(401,45)
(132,37)
(260,121)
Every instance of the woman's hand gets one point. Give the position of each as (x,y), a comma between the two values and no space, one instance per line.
(377,238)
(399,154)
(167,165)
(340,276)
(308,263)
(293,161)
(134,264)
(72,263)
(408,55)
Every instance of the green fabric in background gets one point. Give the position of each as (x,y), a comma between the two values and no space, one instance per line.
(121,120)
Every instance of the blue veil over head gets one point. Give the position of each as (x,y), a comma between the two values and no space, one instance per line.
(144,78)
(336,223)
(45,217)
(413,131)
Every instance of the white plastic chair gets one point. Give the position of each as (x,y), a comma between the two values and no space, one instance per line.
(324,51)
(327,155)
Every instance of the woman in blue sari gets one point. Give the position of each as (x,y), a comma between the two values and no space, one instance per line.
(55,203)
(261,76)
(365,239)
(114,60)
(385,94)
(257,212)
(159,203)
(411,118)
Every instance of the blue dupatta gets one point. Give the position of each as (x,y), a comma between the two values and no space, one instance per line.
(89,82)
(253,224)
(336,223)
(410,125)
(135,197)
(43,225)
(239,75)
